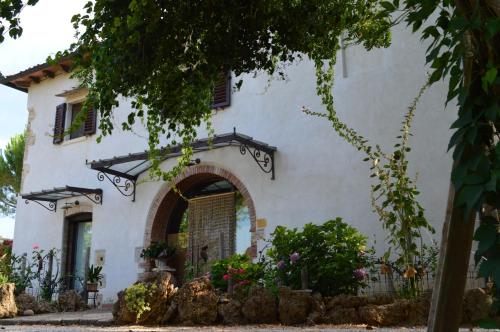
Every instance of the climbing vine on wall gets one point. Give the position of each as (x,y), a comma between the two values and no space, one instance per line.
(464,48)
(394,196)
(464,38)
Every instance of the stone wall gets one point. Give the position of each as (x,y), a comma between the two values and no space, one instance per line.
(198,303)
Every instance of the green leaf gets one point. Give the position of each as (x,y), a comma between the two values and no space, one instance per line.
(463,120)
(492,112)
(488,78)
(474,178)
(492,183)
(456,138)
(486,234)
(492,27)
(436,75)
(388,6)
(469,196)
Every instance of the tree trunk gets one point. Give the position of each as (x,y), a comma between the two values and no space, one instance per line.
(447,298)
(458,229)
(456,242)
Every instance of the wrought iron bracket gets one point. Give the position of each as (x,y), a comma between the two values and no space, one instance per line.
(50,205)
(126,188)
(264,159)
(96,200)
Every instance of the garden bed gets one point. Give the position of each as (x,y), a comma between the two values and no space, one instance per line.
(199,303)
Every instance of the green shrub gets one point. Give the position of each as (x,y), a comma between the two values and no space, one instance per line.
(136,298)
(20,272)
(4,279)
(333,254)
(47,271)
(237,268)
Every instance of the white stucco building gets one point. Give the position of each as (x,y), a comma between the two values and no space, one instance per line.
(317,175)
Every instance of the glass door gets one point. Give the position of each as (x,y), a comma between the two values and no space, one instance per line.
(82,239)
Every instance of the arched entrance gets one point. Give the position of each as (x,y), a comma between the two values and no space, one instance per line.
(216,208)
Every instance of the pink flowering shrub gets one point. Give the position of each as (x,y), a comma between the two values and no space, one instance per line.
(238,269)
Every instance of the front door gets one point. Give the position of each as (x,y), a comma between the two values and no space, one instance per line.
(211,225)
(79,243)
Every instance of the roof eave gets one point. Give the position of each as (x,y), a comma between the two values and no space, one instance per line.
(13,86)
(36,74)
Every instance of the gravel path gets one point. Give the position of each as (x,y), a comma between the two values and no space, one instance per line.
(260,328)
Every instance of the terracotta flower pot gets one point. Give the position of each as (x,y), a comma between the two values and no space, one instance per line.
(92,287)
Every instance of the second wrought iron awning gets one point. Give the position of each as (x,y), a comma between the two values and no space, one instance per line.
(124,171)
(48,198)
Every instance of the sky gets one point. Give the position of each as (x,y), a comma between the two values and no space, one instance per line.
(47,29)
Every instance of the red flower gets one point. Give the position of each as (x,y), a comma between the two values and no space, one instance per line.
(241,271)
(226,277)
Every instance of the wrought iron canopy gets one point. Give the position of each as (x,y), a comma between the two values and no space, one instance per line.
(123,171)
(48,198)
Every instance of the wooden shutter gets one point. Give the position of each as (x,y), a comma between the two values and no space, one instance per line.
(222,91)
(59,123)
(89,126)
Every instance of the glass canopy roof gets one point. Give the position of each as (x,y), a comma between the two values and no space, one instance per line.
(51,196)
(131,166)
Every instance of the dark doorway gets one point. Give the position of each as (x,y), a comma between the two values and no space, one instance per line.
(78,244)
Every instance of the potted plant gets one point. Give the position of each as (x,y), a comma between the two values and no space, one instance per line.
(163,259)
(94,278)
(158,253)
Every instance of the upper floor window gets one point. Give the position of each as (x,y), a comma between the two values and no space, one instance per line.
(67,113)
(75,110)
(222,91)
(87,128)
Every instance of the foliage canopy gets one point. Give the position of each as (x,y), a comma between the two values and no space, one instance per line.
(118,52)
(9,17)
(11,169)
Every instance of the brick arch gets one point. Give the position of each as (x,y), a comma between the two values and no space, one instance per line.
(166,200)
